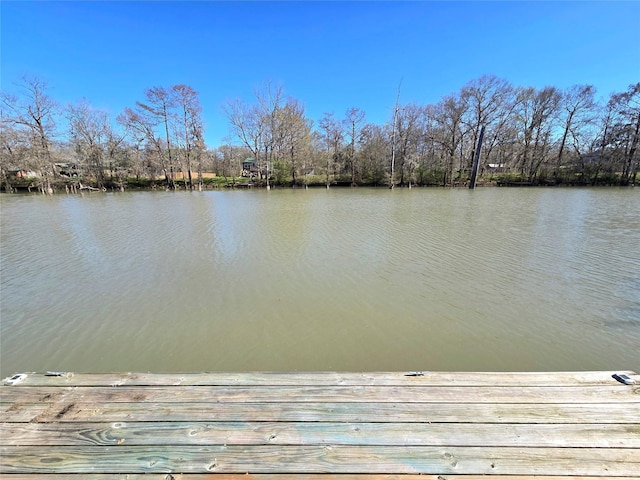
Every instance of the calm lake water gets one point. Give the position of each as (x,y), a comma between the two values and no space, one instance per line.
(345,279)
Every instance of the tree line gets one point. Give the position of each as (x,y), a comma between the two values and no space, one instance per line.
(532,136)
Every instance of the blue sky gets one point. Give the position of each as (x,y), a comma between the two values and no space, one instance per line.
(330,55)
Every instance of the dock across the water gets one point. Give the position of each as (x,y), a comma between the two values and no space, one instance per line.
(320,426)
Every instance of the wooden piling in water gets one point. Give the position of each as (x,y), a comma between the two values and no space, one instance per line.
(476,161)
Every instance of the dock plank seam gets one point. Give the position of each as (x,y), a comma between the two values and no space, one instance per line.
(343,425)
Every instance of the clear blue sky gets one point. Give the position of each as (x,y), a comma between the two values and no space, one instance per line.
(330,55)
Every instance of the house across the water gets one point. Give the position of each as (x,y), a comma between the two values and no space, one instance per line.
(249,168)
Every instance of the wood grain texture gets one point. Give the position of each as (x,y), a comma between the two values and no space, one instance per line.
(311,476)
(323,459)
(319,426)
(289,394)
(534,413)
(403,379)
(320,433)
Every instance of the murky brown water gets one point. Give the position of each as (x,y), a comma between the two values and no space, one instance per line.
(345,279)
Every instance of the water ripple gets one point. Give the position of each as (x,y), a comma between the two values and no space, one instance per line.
(359,279)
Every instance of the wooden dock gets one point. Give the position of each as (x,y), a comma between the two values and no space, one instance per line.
(320,426)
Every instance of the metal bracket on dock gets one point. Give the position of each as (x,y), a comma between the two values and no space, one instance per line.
(622,378)
(15,379)
(415,374)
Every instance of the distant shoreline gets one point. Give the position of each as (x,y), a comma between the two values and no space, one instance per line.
(67,188)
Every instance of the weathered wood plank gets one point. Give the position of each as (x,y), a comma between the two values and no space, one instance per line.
(21,412)
(596,413)
(323,459)
(333,424)
(320,433)
(311,476)
(419,394)
(327,378)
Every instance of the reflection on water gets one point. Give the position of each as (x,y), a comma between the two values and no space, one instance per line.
(353,279)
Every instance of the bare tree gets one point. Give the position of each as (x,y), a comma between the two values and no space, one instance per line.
(354,120)
(578,109)
(191,129)
(537,109)
(393,139)
(119,154)
(374,152)
(501,134)
(430,164)
(269,99)
(448,115)
(149,147)
(333,136)
(34,111)
(275,130)
(157,111)
(409,134)
(257,126)
(89,130)
(486,99)
(627,108)
(295,135)
(14,149)
(247,125)
(227,159)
